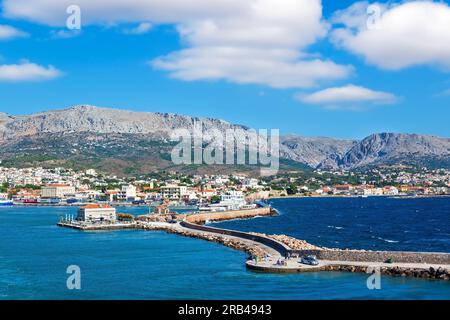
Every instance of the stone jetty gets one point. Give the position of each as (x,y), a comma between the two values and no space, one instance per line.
(282,253)
(252,249)
(201,218)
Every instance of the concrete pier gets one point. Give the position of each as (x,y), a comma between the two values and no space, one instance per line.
(97,227)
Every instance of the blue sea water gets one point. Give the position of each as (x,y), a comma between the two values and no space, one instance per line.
(375,223)
(35,253)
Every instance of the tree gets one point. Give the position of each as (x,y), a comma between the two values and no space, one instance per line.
(215,199)
(292,189)
(4,187)
(125,217)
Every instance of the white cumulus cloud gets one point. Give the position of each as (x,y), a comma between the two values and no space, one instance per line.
(27,71)
(347,97)
(9,32)
(261,42)
(406,34)
(142,28)
(272,67)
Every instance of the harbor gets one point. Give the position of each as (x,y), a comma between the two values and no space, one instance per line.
(166,260)
(268,253)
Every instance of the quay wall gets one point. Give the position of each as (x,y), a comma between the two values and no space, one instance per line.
(229,215)
(378,256)
(427,273)
(280,247)
(99,227)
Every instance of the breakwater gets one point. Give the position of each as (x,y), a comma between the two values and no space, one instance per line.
(425,272)
(201,218)
(405,264)
(378,256)
(271,243)
(279,253)
(234,243)
(439,273)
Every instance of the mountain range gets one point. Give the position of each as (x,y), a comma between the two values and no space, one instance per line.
(127,142)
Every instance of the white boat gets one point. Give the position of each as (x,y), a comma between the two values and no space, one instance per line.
(5,202)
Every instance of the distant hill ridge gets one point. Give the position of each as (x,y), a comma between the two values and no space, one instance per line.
(82,133)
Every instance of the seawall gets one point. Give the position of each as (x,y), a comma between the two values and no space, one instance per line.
(377,256)
(201,218)
(271,243)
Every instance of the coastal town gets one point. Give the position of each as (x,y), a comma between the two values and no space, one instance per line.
(61,186)
(185,205)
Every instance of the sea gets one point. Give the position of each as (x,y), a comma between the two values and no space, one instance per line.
(36,255)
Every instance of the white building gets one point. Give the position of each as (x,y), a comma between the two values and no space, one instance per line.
(127,193)
(173,192)
(57,191)
(208,193)
(250,183)
(97,213)
(390,190)
(233,200)
(91,172)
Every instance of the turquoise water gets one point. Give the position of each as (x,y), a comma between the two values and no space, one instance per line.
(34,255)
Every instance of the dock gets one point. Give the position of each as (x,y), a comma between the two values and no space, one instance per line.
(96,227)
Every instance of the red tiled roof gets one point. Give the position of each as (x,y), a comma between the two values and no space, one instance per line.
(96,206)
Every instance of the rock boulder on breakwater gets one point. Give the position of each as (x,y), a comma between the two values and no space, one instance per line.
(291,242)
(253,250)
(431,273)
(201,218)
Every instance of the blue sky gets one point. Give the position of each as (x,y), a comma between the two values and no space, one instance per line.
(107,66)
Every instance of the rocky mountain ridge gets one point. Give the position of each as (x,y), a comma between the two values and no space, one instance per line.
(89,131)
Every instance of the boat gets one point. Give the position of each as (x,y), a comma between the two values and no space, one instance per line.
(27,201)
(6,202)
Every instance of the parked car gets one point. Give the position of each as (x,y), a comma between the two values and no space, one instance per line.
(310,260)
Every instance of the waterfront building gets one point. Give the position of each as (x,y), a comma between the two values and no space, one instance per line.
(97,213)
(57,191)
(208,193)
(153,196)
(110,195)
(390,190)
(233,200)
(173,192)
(343,188)
(127,193)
